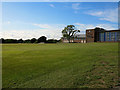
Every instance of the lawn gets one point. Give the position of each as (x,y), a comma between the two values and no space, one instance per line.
(75,65)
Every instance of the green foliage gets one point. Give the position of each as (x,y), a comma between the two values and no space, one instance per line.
(69,32)
(42,39)
(33,40)
(10,41)
(91,65)
(27,41)
(20,41)
(52,41)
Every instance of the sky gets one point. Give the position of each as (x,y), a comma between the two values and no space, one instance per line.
(28,20)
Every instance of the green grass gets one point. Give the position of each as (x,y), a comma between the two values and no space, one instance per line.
(91,65)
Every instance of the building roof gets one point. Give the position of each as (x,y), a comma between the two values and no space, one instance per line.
(111,30)
(103,30)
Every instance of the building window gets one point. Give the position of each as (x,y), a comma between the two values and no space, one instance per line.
(107,36)
(112,36)
(118,36)
(101,36)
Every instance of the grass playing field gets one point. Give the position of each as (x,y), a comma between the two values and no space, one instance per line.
(75,65)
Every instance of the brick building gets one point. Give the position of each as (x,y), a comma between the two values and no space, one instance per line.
(102,35)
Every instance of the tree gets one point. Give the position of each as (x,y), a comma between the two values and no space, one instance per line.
(20,41)
(27,41)
(33,40)
(10,41)
(52,41)
(2,40)
(69,32)
(42,39)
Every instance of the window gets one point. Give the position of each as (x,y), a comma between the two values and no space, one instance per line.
(101,36)
(107,36)
(118,36)
(112,36)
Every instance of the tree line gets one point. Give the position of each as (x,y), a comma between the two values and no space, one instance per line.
(42,39)
(68,32)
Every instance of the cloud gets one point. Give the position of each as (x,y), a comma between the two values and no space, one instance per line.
(83,27)
(51,5)
(8,22)
(76,6)
(51,31)
(43,25)
(28,34)
(110,15)
(99,13)
(107,26)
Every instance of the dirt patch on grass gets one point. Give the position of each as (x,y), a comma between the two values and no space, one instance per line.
(101,75)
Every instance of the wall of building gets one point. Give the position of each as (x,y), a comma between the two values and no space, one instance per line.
(66,41)
(75,40)
(90,34)
(101,35)
(109,36)
(79,40)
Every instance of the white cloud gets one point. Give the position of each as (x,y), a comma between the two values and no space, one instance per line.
(28,34)
(51,31)
(8,22)
(83,27)
(107,26)
(51,5)
(76,6)
(99,13)
(108,15)
(43,25)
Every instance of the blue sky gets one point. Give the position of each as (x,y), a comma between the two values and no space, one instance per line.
(34,19)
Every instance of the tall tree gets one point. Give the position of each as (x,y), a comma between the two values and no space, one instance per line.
(33,40)
(20,41)
(42,39)
(69,32)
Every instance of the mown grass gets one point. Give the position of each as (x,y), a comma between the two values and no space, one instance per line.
(91,65)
